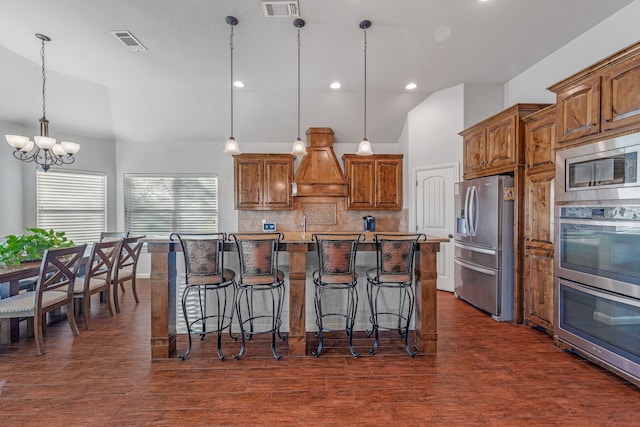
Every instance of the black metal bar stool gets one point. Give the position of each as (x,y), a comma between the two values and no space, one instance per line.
(394,271)
(259,275)
(336,272)
(205,274)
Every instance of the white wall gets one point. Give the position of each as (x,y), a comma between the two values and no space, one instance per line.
(611,35)
(11,187)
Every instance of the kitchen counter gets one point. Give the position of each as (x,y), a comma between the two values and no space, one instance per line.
(163,279)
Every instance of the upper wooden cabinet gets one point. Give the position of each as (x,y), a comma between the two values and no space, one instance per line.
(540,138)
(602,99)
(263,181)
(494,145)
(374,182)
(579,110)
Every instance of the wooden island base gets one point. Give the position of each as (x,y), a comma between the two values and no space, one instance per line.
(163,280)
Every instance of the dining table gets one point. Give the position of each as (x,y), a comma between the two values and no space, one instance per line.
(163,281)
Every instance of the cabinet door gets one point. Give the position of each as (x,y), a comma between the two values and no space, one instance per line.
(361,177)
(579,110)
(277,184)
(249,179)
(538,304)
(540,141)
(621,95)
(501,143)
(388,175)
(538,228)
(474,151)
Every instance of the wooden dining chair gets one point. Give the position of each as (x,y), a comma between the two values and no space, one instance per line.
(126,267)
(99,269)
(58,270)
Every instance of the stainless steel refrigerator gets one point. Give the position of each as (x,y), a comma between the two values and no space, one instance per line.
(484,244)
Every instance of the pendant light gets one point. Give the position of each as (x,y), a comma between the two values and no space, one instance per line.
(231,147)
(364,149)
(299,148)
(47,151)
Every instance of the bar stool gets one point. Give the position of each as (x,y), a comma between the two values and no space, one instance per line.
(394,270)
(205,274)
(336,272)
(259,274)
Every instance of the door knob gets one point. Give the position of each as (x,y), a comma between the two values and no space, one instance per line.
(451,236)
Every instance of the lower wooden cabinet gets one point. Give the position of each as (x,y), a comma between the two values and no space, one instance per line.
(538,249)
(538,287)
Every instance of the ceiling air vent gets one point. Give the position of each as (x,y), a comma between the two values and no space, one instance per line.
(280,8)
(129,40)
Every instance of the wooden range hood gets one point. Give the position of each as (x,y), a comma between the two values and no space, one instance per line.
(319,173)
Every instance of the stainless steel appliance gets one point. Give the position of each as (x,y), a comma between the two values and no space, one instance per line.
(484,244)
(604,170)
(368,223)
(597,263)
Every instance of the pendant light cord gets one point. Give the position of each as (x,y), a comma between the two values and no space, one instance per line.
(365,83)
(231,79)
(298,82)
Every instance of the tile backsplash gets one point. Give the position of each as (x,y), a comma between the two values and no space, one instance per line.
(322,214)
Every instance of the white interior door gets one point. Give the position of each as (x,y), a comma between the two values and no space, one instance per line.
(434,213)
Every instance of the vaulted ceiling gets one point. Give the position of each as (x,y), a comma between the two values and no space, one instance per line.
(179,89)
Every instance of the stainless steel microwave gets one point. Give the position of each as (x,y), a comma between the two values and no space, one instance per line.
(602,170)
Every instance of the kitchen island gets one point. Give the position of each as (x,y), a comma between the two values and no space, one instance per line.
(164,278)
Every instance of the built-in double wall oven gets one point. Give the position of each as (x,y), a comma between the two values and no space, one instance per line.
(597,226)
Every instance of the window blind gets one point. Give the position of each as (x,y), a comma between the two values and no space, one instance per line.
(162,204)
(73,202)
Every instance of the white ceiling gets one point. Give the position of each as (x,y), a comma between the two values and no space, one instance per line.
(179,88)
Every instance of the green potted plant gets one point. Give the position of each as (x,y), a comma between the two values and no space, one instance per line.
(31,247)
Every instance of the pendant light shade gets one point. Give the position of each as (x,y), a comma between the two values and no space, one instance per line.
(231,147)
(364,149)
(299,147)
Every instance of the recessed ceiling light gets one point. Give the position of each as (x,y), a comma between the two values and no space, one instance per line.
(335,85)
(238,84)
(411,86)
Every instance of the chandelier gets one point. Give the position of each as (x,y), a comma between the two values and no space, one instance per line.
(45,152)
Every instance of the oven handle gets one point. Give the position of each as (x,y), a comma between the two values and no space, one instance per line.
(475,267)
(578,221)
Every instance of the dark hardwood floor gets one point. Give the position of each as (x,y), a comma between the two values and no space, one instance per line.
(485,373)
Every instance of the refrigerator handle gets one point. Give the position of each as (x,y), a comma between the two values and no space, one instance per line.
(467,223)
(475,267)
(473,211)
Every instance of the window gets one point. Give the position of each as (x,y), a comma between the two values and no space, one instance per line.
(162,204)
(73,202)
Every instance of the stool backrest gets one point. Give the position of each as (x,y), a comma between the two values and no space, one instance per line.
(395,252)
(258,254)
(337,254)
(203,254)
